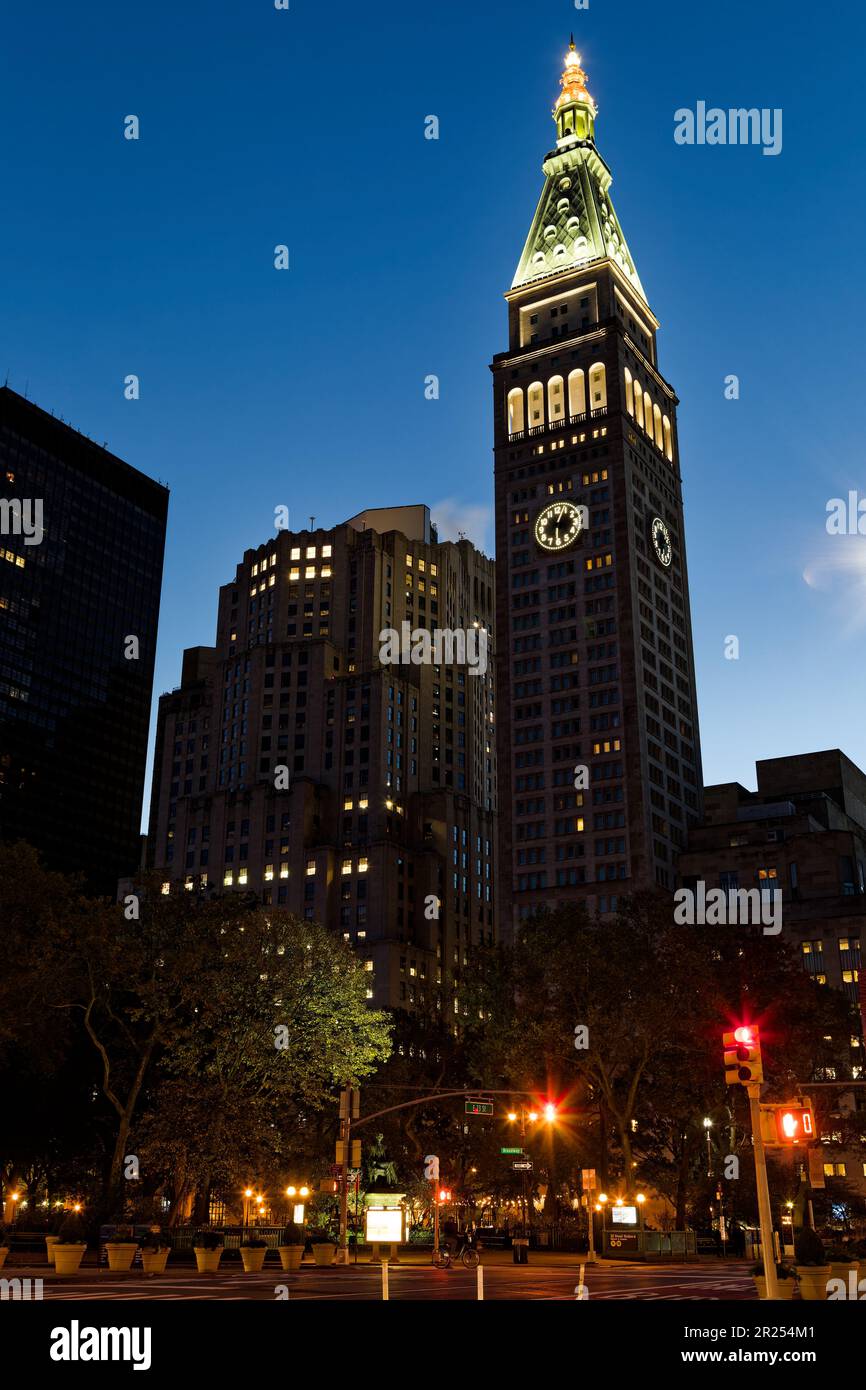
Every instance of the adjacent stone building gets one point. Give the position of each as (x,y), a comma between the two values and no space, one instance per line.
(301,762)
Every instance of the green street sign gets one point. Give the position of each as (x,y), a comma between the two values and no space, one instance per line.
(518,1152)
(479,1107)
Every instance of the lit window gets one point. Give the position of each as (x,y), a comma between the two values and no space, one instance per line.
(363,803)
(310,572)
(326,552)
(409,561)
(368,965)
(242,876)
(346,866)
(294,574)
(311,868)
(255,569)
(284,871)
(269,872)
(326,571)
(228,878)
(166,888)
(434,569)
(311,552)
(295,553)
(363,865)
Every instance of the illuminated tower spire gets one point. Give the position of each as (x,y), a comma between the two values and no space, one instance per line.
(575,223)
(575,111)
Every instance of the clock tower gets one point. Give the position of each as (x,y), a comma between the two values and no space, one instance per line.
(598,745)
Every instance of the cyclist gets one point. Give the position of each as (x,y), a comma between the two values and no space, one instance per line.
(451,1233)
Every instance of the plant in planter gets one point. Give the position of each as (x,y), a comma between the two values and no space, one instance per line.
(786,1279)
(121,1249)
(155,1250)
(253,1251)
(813,1271)
(324,1248)
(208,1251)
(291,1248)
(5,1242)
(70,1245)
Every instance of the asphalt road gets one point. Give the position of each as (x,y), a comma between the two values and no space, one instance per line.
(557,1279)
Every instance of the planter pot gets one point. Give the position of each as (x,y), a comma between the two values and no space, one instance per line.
(208,1261)
(67,1258)
(290,1257)
(121,1254)
(50,1242)
(4,1251)
(154,1261)
(253,1258)
(813,1282)
(324,1255)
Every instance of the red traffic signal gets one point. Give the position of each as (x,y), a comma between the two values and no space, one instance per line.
(743,1064)
(795,1124)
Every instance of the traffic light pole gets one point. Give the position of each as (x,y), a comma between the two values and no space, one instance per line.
(768,1251)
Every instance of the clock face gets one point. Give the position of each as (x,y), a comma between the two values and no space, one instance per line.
(558,526)
(662,544)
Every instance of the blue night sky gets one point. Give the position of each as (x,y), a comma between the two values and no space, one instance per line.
(306,388)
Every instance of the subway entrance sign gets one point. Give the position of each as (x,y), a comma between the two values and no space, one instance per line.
(479,1107)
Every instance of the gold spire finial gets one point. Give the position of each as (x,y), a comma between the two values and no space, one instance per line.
(573,82)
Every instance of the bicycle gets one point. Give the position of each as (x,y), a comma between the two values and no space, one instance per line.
(466,1253)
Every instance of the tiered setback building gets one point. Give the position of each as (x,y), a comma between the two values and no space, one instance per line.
(599,753)
(297,764)
(79,608)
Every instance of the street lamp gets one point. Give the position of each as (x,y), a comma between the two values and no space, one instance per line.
(708,1124)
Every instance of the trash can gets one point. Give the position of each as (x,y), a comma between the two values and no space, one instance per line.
(520,1251)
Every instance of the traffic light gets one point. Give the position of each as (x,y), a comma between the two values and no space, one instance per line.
(795,1124)
(743,1056)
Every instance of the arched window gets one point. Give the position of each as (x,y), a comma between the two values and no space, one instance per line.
(576,392)
(536,404)
(657,422)
(597,387)
(648,414)
(669,443)
(556,398)
(629,392)
(638,403)
(515,411)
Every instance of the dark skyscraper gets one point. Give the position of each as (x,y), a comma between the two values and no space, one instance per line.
(599,757)
(81,549)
